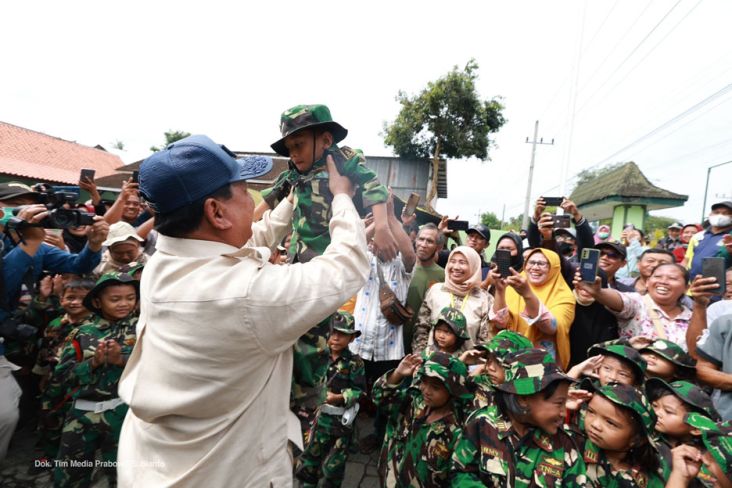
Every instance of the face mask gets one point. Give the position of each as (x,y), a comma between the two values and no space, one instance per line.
(603,235)
(718,220)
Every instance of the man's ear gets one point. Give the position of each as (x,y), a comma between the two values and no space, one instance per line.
(214,212)
(97,303)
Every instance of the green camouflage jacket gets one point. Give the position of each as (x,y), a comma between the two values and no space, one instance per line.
(53,338)
(313,198)
(489,452)
(483,391)
(600,473)
(416,453)
(75,369)
(346,376)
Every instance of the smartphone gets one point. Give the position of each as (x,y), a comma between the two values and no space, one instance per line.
(553,201)
(561,221)
(588,264)
(87,174)
(135,177)
(714,268)
(54,232)
(411,205)
(463,225)
(503,261)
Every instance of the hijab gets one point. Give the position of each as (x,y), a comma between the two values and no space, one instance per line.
(556,296)
(517,262)
(474,272)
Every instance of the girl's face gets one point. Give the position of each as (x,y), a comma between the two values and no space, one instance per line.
(658,367)
(548,413)
(445,338)
(670,411)
(613,370)
(117,301)
(537,269)
(608,426)
(458,268)
(666,285)
(434,392)
(494,370)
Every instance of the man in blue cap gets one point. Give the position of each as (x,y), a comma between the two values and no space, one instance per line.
(208,382)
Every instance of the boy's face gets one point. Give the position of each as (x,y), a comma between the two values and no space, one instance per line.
(434,392)
(548,413)
(608,426)
(670,411)
(306,147)
(72,299)
(613,370)
(658,367)
(494,370)
(445,338)
(117,301)
(338,341)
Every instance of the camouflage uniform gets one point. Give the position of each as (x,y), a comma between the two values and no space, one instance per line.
(717,439)
(455,320)
(86,431)
(620,349)
(329,439)
(490,452)
(310,231)
(685,364)
(599,470)
(501,345)
(417,453)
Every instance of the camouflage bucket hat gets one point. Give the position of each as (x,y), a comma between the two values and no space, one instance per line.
(456,320)
(507,342)
(672,352)
(530,371)
(717,438)
(687,392)
(626,396)
(302,117)
(624,353)
(448,369)
(109,279)
(344,322)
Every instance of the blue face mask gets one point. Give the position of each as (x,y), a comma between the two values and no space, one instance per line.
(7,215)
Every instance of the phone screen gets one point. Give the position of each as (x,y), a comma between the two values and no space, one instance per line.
(713,267)
(503,261)
(553,201)
(87,174)
(411,205)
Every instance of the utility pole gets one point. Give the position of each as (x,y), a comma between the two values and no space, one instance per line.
(525,222)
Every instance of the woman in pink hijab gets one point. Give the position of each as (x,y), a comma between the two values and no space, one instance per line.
(461,290)
(602,234)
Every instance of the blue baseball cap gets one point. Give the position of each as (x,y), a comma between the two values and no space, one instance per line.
(192,168)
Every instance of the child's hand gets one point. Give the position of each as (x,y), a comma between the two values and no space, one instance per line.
(336,182)
(333,398)
(45,287)
(575,399)
(114,353)
(407,366)
(686,461)
(586,367)
(474,356)
(58,285)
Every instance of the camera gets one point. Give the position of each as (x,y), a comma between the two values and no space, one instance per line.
(58,216)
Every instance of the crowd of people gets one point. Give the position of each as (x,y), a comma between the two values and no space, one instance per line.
(269,329)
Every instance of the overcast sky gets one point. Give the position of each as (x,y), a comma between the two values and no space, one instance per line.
(97,72)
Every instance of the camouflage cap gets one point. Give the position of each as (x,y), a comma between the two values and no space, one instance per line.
(507,342)
(302,117)
(687,392)
(624,353)
(672,352)
(109,279)
(717,438)
(344,322)
(530,371)
(456,320)
(451,371)
(626,396)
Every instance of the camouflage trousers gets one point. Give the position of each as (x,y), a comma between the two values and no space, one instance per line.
(310,367)
(83,434)
(325,453)
(50,426)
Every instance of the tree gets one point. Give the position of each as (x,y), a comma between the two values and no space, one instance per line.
(490,220)
(446,119)
(170,137)
(514,223)
(119,145)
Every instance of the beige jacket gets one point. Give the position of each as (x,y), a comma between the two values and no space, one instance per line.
(208,382)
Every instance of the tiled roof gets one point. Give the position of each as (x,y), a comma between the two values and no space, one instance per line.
(31,154)
(625,181)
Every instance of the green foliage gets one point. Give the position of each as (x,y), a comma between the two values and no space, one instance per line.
(514,223)
(170,137)
(448,116)
(490,220)
(119,145)
(655,227)
(587,175)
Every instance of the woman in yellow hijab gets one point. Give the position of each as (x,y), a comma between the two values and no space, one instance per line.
(537,303)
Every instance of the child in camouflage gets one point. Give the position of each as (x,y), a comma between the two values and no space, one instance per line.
(612,362)
(309,137)
(668,361)
(90,367)
(709,464)
(450,332)
(331,435)
(424,421)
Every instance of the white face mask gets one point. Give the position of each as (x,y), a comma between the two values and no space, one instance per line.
(718,220)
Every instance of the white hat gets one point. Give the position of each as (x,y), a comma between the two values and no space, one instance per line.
(120,232)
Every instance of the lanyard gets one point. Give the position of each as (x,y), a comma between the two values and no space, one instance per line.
(462,305)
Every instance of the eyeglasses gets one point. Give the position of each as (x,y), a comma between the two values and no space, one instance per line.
(537,264)
(611,255)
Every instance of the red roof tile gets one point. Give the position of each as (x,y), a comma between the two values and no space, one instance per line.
(31,154)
